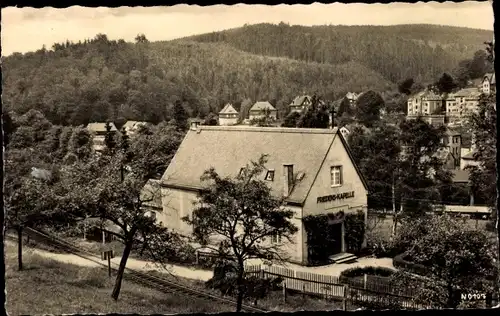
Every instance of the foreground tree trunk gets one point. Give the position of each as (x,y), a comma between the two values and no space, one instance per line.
(121,269)
(240,289)
(20,247)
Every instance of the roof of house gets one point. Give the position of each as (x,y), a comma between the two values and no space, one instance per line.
(228,149)
(468,92)
(460,176)
(151,193)
(352,95)
(229,109)
(299,100)
(100,127)
(491,77)
(134,124)
(469,155)
(262,105)
(450,132)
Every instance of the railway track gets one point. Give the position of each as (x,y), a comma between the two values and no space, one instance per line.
(155,282)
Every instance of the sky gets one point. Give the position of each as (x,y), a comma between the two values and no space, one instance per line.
(28,29)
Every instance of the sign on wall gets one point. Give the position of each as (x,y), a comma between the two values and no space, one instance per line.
(333,197)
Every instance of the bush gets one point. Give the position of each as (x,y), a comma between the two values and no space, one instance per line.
(360,271)
(400,261)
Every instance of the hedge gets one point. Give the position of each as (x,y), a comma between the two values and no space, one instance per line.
(360,271)
(400,261)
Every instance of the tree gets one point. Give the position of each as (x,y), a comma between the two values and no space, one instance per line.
(344,107)
(405,86)
(180,116)
(316,115)
(456,260)
(368,107)
(8,127)
(446,84)
(243,215)
(291,119)
(109,138)
(211,119)
(97,190)
(152,148)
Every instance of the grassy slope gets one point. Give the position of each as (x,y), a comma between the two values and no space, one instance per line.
(87,284)
(48,286)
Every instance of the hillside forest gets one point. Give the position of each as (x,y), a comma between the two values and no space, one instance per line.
(99,79)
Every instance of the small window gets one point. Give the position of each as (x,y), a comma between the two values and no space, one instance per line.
(242,170)
(270,175)
(336,176)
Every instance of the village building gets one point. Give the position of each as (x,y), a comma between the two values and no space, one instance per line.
(489,83)
(312,169)
(98,132)
(461,103)
(131,127)
(228,115)
(300,103)
(451,153)
(434,120)
(345,131)
(262,109)
(352,97)
(424,103)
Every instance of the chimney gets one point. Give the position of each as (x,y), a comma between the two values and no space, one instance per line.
(194,125)
(331,119)
(287,179)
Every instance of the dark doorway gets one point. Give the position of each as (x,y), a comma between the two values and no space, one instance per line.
(335,239)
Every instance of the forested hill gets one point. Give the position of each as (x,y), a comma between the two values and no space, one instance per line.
(99,79)
(422,52)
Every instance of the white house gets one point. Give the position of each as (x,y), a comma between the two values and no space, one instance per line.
(329,181)
(98,132)
(262,109)
(228,115)
(489,83)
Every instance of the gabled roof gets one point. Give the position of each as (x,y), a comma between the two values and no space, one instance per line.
(100,127)
(262,105)
(490,77)
(468,92)
(229,109)
(151,193)
(228,149)
(469,156)
(134,124)
(299,100)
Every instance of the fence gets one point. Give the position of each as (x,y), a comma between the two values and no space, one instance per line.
(371,289)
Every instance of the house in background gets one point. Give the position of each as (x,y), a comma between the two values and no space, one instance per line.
(98,132)
(489,83)
(262,109)
(311,168)
(300,103)
(131,127)
(460,103)
(345,131)
(228,115)
(352,97)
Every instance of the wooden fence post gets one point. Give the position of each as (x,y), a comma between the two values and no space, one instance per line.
(109,263)
(197,257)
(261,273)
(365,278)
(284,292)
(344,300)
(303,290)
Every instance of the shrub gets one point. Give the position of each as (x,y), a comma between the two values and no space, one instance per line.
(400,261)
(360,271)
